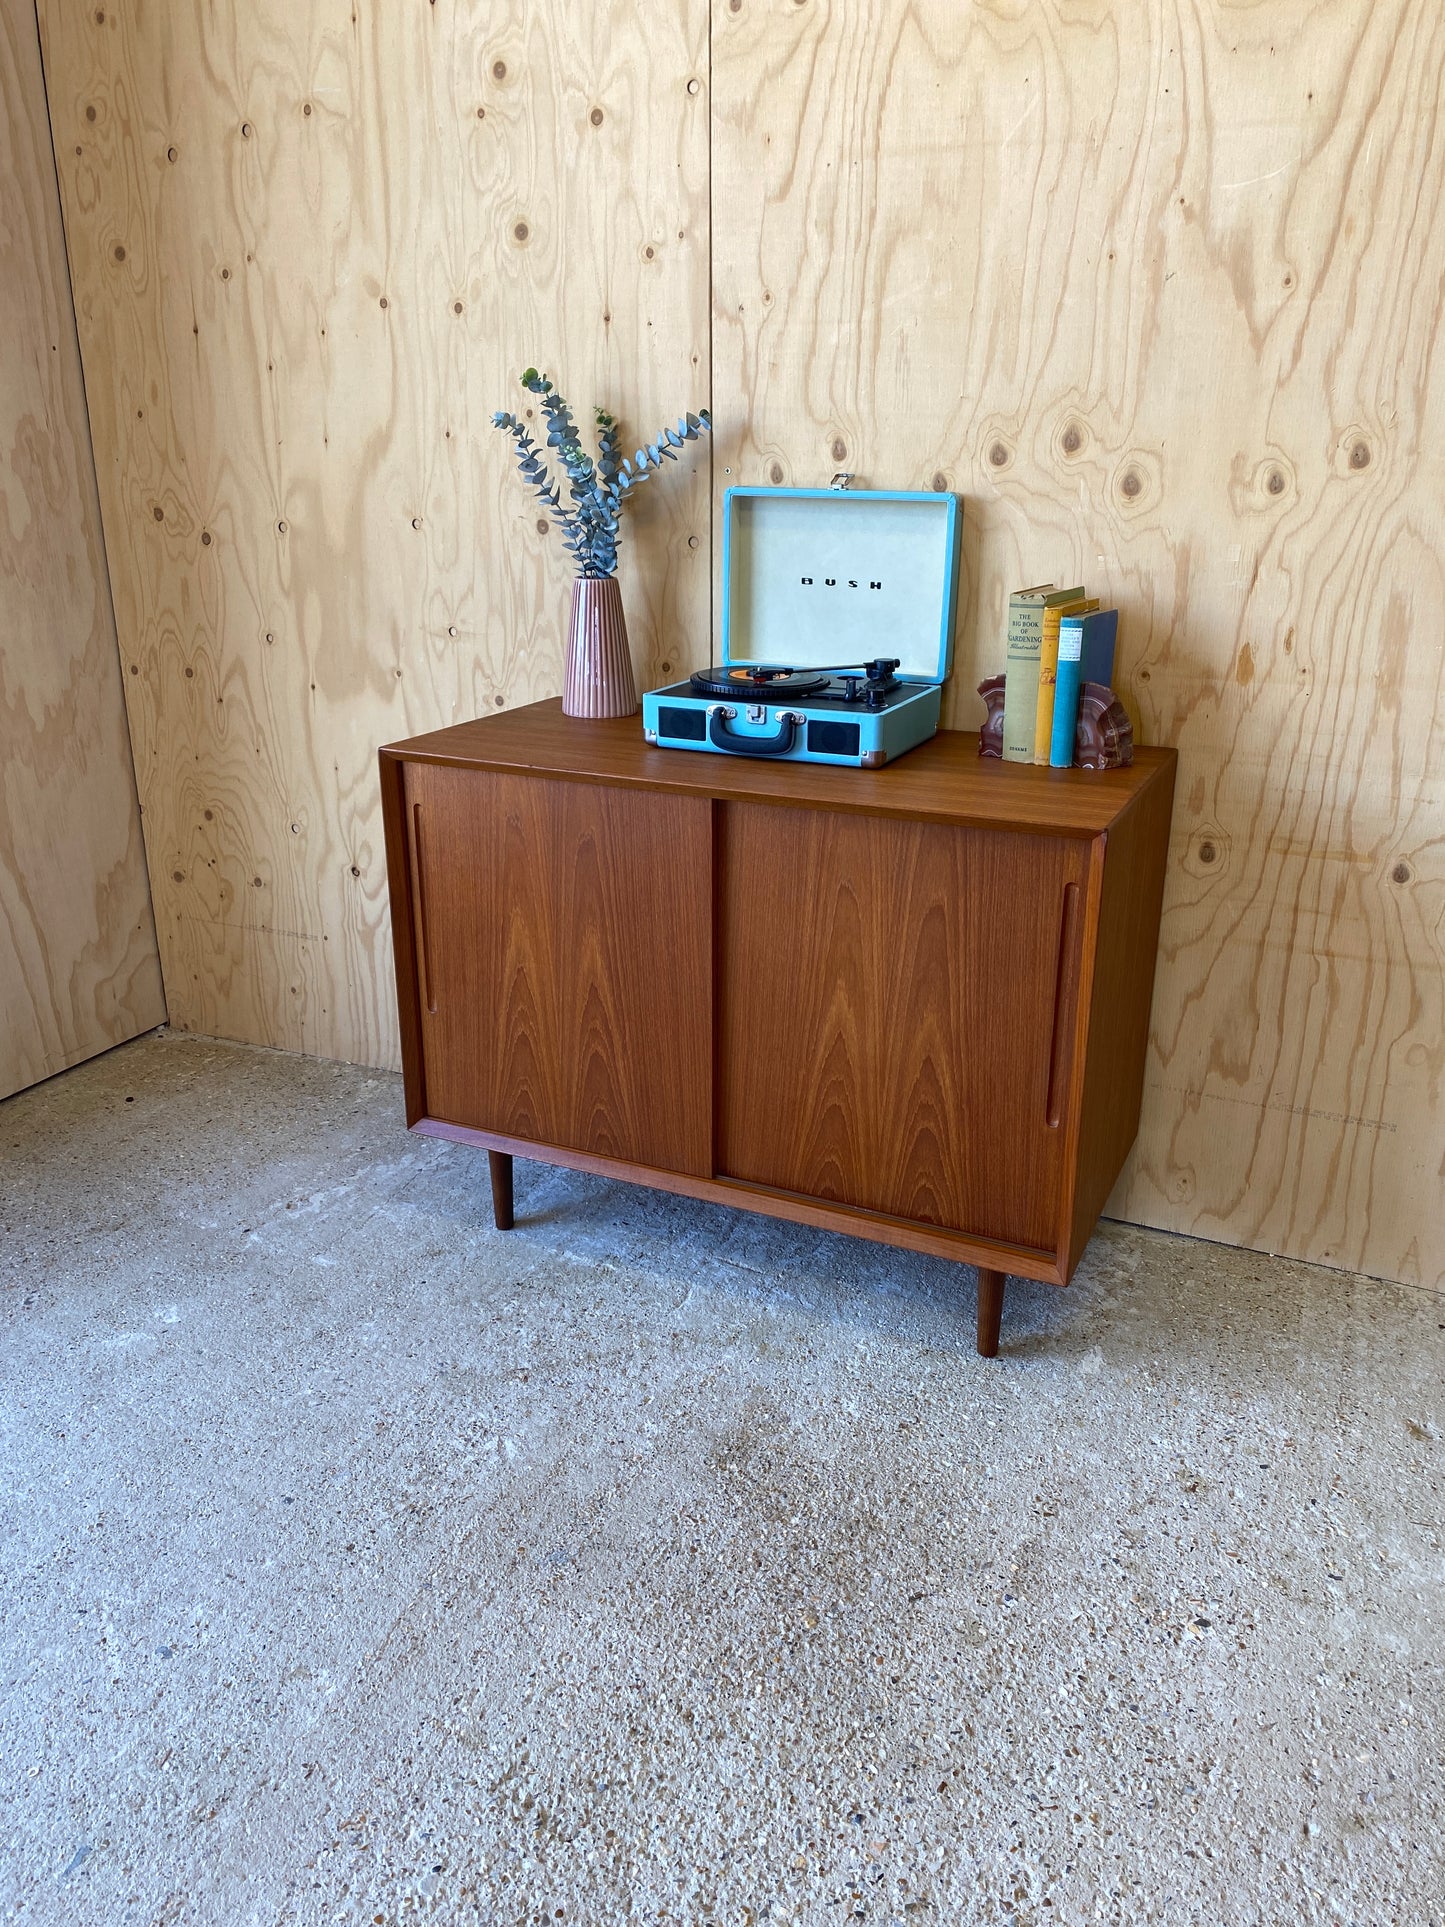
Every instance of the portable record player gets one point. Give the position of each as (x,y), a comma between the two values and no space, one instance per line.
(837,629)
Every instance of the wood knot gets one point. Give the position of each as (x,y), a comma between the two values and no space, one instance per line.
(90,113)
(939,483)
(520,231)
(775,473)
(178,876)
(499,70)
(159,513)
(456,307)
(1360,455)
(840,449)
(384,303)
(1401,873)
(1275,484)
(998,454)
(1131,484)
(541,530)
(173,154)
(1207,852)
(205,538)
(306,108)
(1073,441)
(119,252)
(596,117)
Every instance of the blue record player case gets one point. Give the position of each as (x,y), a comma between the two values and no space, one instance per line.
(837,628)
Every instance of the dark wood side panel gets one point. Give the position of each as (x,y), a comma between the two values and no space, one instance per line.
(897,1015)
(563,933)
(1131,894)
(403,936)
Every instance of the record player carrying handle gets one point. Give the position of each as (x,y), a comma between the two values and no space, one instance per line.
(722,737)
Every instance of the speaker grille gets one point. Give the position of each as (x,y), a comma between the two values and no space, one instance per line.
(833,739)
(683,725)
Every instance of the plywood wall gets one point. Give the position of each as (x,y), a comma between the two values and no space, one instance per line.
(78,964)
(314,243)
(1154,286)
(1157,287)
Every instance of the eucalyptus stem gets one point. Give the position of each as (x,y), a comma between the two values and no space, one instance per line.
(598,488)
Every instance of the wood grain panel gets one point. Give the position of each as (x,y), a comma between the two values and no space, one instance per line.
(564,953)
(1157,288)
(313,244)
(897,1051)
(78,964)
(944,780)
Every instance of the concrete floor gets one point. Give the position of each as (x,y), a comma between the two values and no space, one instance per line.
(658,1563)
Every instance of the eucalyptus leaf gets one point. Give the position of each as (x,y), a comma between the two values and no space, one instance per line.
(592,526)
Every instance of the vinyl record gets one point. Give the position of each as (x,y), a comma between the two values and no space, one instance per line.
(757,680)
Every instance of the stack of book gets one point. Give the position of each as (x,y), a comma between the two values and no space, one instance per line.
(1058,639)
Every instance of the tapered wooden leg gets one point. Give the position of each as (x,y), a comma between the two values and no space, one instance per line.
(990,1311)
(501,1163)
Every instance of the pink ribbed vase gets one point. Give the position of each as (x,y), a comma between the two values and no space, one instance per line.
(598,678)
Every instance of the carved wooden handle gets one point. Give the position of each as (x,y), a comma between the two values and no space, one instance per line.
(1066,994)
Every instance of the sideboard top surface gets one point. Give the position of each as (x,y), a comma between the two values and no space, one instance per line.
(944,780)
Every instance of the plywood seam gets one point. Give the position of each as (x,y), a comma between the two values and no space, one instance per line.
(79,971)
(93,489)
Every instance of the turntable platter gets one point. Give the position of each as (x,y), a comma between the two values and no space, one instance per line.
(755,679)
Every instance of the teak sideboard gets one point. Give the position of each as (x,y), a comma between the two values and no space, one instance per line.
(909,1003)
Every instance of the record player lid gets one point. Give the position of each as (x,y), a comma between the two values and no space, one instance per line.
(819,575)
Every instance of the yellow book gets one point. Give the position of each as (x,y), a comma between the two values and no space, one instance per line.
(1021,669)
(1049,669)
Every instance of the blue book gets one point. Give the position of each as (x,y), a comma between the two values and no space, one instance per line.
(1086,654)
(1097,662)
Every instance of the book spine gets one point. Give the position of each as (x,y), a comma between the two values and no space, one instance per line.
(1021,680)
(1099,642)
(1066,693)
(1048,678)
